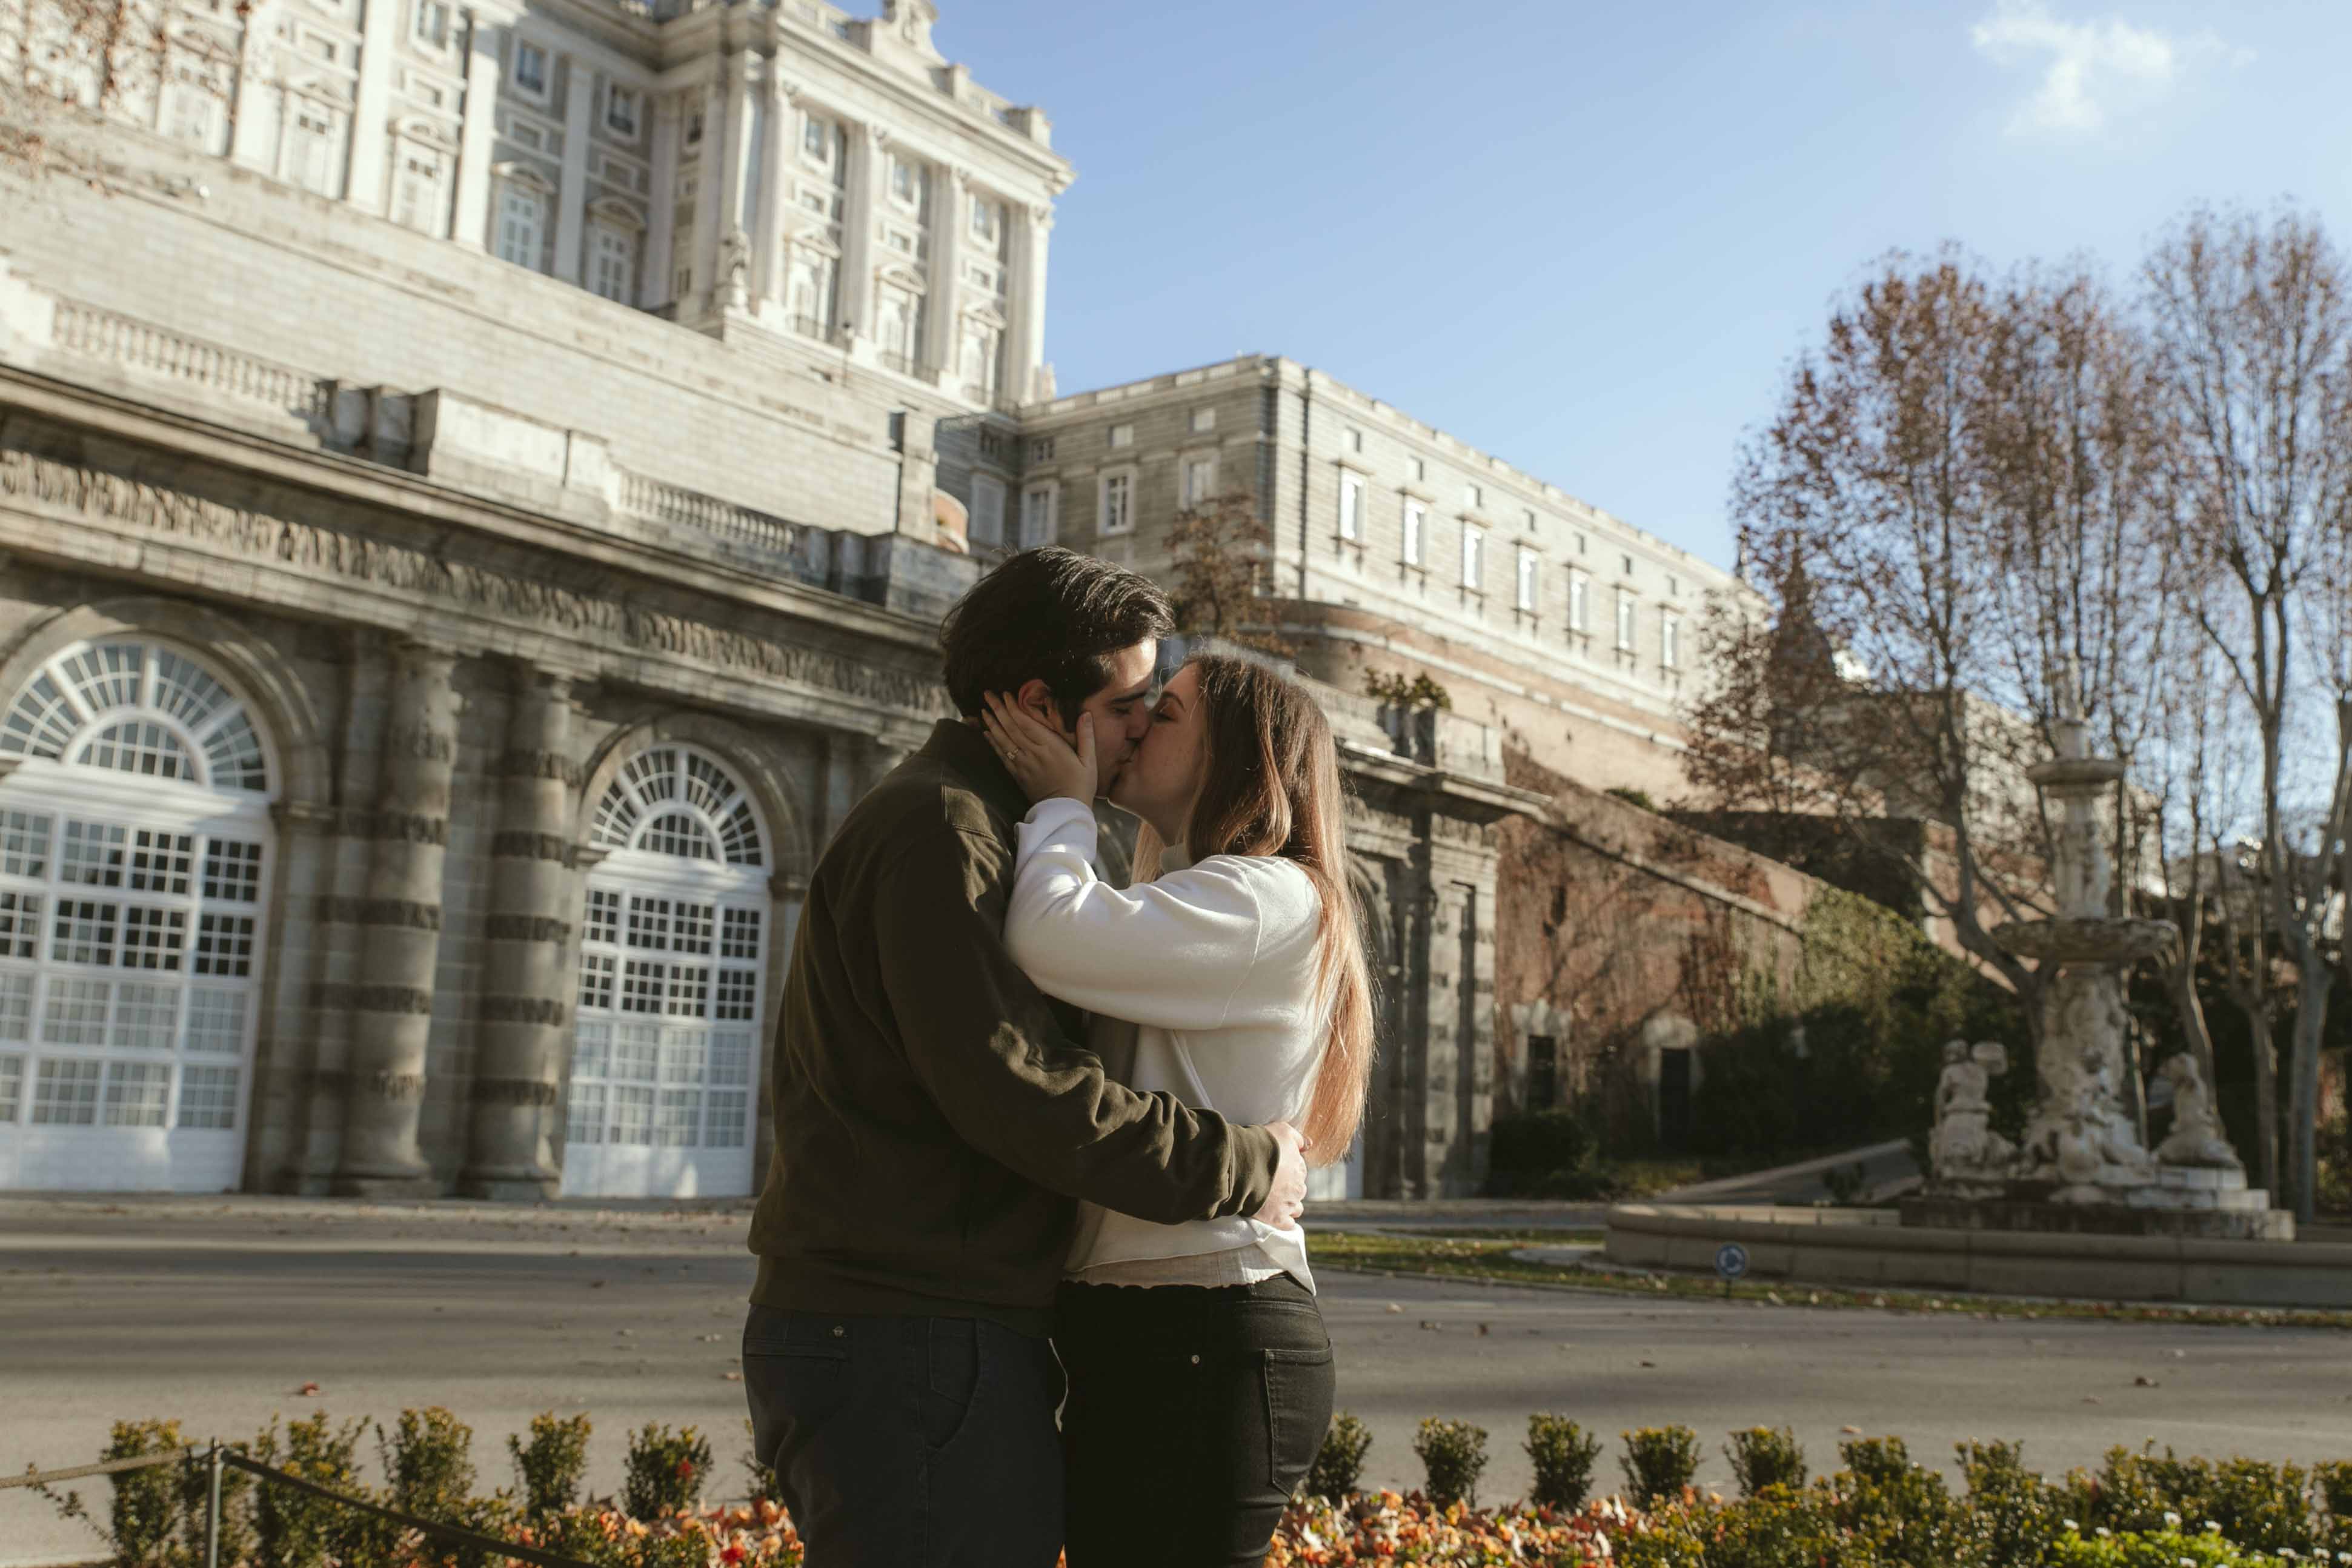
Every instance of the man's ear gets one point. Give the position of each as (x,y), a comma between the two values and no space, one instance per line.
(1036,698)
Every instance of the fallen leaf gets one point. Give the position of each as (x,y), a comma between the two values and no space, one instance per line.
(1649,1364)
(595,1284)
(1851,1431)
(2090,1399)
(1482,1330)
(308,1390)
(733,1376)
(2144,1383)
(1394,1307)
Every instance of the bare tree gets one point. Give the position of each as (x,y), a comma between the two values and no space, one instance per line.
(69,66)
(2253,321)
(1221,553)
(1955,503)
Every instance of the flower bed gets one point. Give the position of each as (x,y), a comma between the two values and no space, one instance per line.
(2139,1510)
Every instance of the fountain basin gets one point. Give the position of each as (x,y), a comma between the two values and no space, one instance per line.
(1873,1247)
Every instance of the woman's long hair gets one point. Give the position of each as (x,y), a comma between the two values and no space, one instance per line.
(1273,787)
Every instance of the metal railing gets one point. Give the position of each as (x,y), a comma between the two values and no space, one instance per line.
(218,1457)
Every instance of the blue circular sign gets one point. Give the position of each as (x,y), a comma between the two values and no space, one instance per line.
(1731,1260)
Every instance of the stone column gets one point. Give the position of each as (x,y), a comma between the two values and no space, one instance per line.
(250,143)
(859,201)
(654,287)
(768,237)
(1025,354)
(372,106)
(571,199)
(946,278)
(712,163)
(735,150)
(392,1003)
(476,141)
(527,980)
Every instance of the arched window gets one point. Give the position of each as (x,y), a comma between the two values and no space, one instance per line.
(672,956)
(135,854)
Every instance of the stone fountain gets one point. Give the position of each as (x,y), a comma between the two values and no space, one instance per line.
(2081,1166)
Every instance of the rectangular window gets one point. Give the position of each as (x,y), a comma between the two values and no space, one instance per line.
(430,21)
(1579,601)
(621,111)
(987,509)
(207,1097)
(1473,558)
(1417,523)
(1624,621)
(66,1092)
(1527,564)
(1629,565)
(987,222)
(1543,1072)
(12,1087)
(530,68)
(1670,641)
(613,264)
(1117,504)
(1199,482)
(1122,435)
(1473,497)
(136,1093)
(1420,470)
(522,221)
(905,183)
(816,141)
(1204,420)
(1352,506)
(1039,503)
(1355,440)
(416,198)
(1041,450)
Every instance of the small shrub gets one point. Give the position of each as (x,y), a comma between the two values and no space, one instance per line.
(1562,1454)
(428,1462)
(2016,1514)
(1540,1152)
(1340,1462)
(1659,1462)
(295,1530)
(549,1465)
(2332,1478)
(1766,1457)
(1878,1461)
(2263,1506)
(664,1470)
(1452,1456)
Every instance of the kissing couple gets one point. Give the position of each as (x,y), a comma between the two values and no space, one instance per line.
(1041,1141)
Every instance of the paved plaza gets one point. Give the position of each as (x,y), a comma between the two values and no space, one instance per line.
(217,1311)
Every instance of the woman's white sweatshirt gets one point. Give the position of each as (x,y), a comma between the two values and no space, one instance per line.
(1214,964)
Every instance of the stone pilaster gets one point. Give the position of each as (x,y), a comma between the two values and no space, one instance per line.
(859,200)
(661,235)
(391,1002)
(527,983)
(250,145)
(363,180)
(775,179)
(945,276)
(477,136)
(572,200)
(1025,355)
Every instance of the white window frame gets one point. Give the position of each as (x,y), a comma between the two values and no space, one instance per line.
(987,509)
(507,191)
(1352,506)
(1415,543)
(1112,522)
(1628,620)
(1196,479)
(615,121)
(1204,420)
(912,200)
(1040,515)
(610,246)
(1528,567)
(1122,437)
(1473,558)
(525,49)
(1579,601)
(1670,641)
(428,24)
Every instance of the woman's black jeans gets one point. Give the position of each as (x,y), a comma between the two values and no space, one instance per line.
(1193,1414)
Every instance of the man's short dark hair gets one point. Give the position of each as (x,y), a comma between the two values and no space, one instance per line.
(1049,615)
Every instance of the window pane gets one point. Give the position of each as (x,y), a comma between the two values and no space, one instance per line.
(207,1097)
(66,1093)
(136,1093)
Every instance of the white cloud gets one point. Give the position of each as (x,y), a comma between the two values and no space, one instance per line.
(2089,70)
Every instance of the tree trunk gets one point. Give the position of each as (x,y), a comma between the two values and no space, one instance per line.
(2190,1008)
(2303,1090)
(2266,1116)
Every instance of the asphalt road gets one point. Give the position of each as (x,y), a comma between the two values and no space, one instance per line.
(218,1311)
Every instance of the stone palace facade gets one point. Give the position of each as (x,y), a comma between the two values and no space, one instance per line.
(478,487)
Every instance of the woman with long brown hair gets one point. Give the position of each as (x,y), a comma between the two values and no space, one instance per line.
(1201,1375)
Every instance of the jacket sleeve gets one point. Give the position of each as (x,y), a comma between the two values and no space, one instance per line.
(985,1045)
(1213,946)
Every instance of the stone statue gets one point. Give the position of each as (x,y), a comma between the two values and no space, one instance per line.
(2088,1144)
(1963,1147)
(2196,1139)
(735,267)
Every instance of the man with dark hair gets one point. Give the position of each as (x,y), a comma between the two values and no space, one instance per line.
(935,1121)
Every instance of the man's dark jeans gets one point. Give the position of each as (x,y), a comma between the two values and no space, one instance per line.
(904,1442)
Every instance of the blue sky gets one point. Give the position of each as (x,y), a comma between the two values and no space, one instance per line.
(1587,236)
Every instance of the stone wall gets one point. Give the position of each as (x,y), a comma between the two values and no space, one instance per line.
(1624,936)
